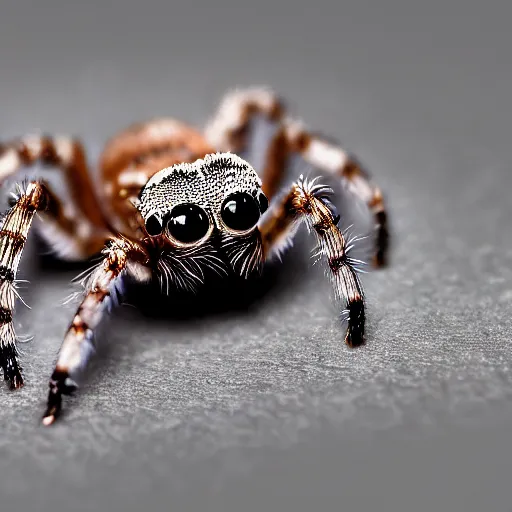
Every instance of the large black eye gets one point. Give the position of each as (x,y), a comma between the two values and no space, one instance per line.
(240,211)
(188,223)
(153,225)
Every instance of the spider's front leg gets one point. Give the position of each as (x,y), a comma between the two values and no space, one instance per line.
(123,258)
(309,202)
(13,235)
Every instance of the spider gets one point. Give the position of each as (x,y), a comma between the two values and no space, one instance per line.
(180,207)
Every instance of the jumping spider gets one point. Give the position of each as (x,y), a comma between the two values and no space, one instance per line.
(175,205)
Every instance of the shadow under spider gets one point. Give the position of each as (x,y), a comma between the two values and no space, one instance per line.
(217,297)
(221,298)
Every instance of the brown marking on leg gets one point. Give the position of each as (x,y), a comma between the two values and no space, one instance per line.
(13,236)
(363,187)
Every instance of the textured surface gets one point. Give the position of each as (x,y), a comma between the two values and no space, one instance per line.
(267,410)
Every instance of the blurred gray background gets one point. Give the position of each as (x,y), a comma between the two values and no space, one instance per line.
(268,410)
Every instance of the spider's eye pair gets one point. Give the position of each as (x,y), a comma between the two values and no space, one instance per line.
(241,211)
(188,223)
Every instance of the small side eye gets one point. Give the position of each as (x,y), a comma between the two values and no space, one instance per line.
(240,211)
(263,202)
(154,225)
(188,223)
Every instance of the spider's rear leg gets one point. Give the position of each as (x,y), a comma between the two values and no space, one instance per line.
(308,202)
(13,235)
(228,131)
(78,229)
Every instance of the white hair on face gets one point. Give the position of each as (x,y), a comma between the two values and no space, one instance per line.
(197,166)
(205,182)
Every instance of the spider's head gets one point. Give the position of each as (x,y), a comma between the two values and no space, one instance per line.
(214,203)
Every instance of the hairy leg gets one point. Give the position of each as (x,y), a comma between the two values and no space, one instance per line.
(122,258)
(228,131)
(13,235)
(310,203)
(76,227)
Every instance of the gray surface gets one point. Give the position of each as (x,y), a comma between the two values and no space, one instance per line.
(268,410)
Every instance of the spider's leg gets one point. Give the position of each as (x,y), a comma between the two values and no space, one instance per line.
(332,158)
(308,202)
(228,131)
(123,258)
(68,237)
(77,228)
(13,235)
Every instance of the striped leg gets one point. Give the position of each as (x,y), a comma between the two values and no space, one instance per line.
(78,229)
(228,131)
(122,258)
(13,236)
(309,202)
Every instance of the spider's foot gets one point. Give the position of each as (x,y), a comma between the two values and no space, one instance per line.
(60,384)
(10,366)
(356,320)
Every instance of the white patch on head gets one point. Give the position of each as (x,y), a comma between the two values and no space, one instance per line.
(186,168)
(205,182)
(195,167)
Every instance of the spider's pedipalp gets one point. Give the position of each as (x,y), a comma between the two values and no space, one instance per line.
(305,201)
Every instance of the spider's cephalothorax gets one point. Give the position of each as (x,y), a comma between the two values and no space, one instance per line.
(178,206)
(203,217)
